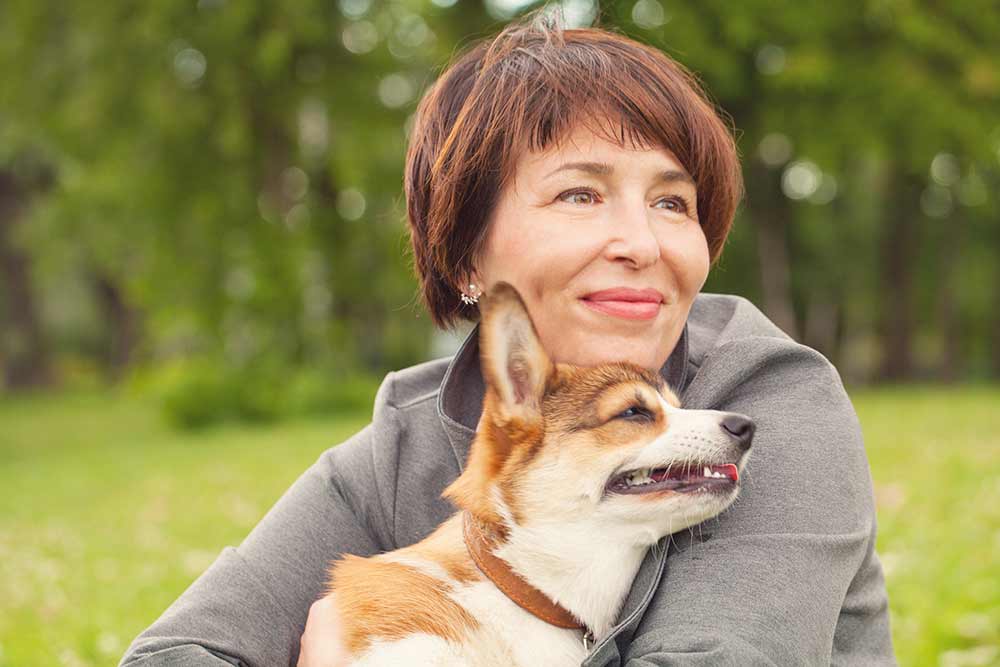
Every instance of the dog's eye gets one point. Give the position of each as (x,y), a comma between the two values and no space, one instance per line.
(636,413)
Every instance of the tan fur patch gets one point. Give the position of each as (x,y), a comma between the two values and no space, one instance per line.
(446,547)
(382,599)
(578,395)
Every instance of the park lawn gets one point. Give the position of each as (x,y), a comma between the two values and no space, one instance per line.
(935,458)
(106,515)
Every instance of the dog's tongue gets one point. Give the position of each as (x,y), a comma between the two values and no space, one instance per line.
(729,470)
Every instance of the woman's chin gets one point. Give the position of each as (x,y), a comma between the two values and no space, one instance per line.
(595,338)
(597,348)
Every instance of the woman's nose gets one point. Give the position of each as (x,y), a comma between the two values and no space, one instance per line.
(632,238)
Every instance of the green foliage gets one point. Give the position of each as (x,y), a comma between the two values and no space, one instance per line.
(323,394)
(195,393)
(231,167)
(235,169)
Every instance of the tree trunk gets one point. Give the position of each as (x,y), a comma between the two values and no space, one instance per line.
(898,250)
(950,364)
(123,325)
(822,326)
(22,346)
(995,333)
(770,213)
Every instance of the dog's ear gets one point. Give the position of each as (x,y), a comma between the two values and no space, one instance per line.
(514,364)
(516,370)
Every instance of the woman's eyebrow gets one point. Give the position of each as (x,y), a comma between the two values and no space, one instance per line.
(604,169)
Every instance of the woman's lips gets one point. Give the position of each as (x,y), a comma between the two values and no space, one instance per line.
(626,302)
(631,310)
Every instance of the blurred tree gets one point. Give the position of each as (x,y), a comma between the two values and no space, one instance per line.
(23,348)
(833,101)
(228,175)
(233,170)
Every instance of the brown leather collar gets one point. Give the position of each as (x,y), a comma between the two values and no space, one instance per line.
(511,583)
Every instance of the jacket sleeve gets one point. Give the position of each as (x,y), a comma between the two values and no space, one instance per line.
(788,574)
(249,608)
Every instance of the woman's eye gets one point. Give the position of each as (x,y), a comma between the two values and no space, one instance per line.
(676,204)
(635,412)
(588,196)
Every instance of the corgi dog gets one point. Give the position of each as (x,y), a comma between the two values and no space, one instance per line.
(574,473)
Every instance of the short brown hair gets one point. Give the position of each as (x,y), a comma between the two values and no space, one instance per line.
(524,89)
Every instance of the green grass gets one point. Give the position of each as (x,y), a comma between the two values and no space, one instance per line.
(935,457)
(106,515)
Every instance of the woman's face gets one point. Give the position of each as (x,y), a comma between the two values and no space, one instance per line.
(589,217)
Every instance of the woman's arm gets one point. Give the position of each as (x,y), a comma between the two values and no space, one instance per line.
(250,606)
(862,636)
(788,575)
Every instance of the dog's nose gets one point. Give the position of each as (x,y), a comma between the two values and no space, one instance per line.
(740,428)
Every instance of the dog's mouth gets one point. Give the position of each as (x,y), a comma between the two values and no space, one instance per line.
(681,478)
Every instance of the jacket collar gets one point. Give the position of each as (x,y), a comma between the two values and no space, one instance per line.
(460,398)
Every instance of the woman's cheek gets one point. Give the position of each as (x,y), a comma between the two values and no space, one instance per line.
(690,262)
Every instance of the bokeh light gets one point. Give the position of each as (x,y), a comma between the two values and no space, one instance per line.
(801,179)
(649,14)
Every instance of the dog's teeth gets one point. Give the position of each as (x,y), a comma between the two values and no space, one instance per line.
(639,477)
(707,472)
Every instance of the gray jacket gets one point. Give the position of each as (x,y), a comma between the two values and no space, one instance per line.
(786,576)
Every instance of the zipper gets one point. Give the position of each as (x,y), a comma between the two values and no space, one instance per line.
(643,603)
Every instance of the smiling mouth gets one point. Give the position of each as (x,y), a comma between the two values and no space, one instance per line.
(631,310)
(683,478)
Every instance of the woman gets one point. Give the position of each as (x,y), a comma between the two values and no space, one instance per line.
(588,171)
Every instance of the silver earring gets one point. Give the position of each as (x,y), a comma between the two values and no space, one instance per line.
(473,297)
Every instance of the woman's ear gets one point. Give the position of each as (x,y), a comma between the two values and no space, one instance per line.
(514,364)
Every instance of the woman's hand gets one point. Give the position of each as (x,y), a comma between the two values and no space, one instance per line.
(321,644)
